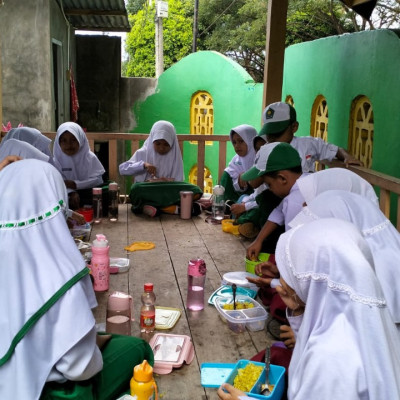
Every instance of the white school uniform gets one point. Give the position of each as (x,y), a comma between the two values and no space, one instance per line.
(289,207)
(38,257)
(382,237)
(169,165)
(312,149)
(84,168)
(347,343)
(238,165)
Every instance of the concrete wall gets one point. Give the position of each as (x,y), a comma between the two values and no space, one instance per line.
(341,68)
(27,77)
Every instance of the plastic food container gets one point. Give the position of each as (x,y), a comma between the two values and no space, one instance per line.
(239,278)
(226,291)
(250,265)
(81,232)
(238,320)
(118,265)
(276,378)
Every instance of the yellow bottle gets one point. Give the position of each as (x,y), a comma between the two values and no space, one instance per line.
(143,385)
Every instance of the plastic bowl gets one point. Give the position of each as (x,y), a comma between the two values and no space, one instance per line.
(251,265)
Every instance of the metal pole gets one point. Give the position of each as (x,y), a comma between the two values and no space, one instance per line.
(159,47)
(195,25)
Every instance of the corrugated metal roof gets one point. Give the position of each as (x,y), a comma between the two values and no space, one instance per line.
(96,15)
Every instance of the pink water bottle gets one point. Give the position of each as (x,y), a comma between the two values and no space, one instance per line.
(196,280)
(100,264)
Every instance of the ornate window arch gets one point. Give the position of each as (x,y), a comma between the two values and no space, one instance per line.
(319,118)
(208,182)
(201,114)
(361,130)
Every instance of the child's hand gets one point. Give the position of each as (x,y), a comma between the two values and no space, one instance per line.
(267,269)
(287,335)
(151,169)
(70,184)
(233,393)
(79,218)
(260,282)
(8,160)
(238,208)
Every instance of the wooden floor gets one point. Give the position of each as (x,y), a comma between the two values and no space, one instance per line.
(176,242)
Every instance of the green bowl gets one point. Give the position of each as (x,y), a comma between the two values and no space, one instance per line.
(251,265)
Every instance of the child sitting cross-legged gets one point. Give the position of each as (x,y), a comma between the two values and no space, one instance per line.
(158,171)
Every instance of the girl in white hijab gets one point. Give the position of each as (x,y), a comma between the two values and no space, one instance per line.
(158,170)
(242,140)
(382,237)
(47,329)
(21,149)
(149,163)
(80,167)
(32,136)
(39,257)
(347,344)
(335,178)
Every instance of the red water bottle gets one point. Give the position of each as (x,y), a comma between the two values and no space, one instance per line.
(196,280)
(148,310)
(100,263)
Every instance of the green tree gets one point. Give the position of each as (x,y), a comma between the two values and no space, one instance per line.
(177,38)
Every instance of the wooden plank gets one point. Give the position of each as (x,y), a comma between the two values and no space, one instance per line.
(112,160)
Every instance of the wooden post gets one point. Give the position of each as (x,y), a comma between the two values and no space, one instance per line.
(274,51)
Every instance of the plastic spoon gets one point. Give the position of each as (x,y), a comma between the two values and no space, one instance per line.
(265,387)
(234,295)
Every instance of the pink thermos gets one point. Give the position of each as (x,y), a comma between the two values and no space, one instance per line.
(100,264)
(119,313)
(186,204)
(196,280)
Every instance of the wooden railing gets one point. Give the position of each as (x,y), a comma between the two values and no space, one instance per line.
(387,185)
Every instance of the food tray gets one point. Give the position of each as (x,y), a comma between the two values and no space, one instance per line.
(166,317)
(118,265)
(276,378)
(81,232)
(239,319)
(170,351)
(251,265)
(226,291)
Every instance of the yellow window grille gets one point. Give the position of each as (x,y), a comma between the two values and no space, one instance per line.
(208,183)
(201,115)
(289,100)
(361,135)
(319,119)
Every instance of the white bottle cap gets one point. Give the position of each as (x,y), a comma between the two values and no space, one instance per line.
(218,190)
(100,241)
(113,186)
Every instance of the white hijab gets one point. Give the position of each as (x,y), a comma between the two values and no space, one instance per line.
(238,164)
(169,165)
(14,147)
(31,136)
(38,256)
(347,344)
(335,178)
(82,165)
(382,237)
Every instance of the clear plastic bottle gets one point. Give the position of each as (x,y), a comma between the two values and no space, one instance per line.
(97,205)
(113,201)
(218,204)
(196,279)
(148,310)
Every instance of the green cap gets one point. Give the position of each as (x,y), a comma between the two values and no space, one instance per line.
(276,118)
(273,157)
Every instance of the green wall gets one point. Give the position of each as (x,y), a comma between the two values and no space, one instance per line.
(236,100)
(341,68)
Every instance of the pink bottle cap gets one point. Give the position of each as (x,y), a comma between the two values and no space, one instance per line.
(97,190)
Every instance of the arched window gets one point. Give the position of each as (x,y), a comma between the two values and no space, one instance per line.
(208,182)
(361,130)
(289,100)
(319,118)
(201,115)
